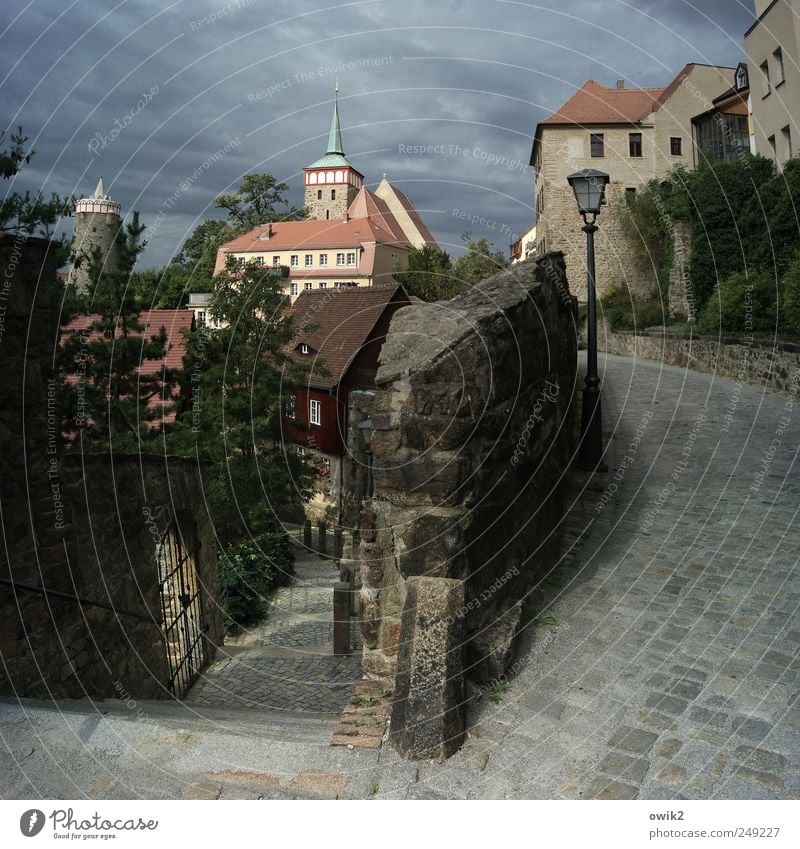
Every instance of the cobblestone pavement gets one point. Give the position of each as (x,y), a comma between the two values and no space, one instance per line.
(286,662)
(672,668)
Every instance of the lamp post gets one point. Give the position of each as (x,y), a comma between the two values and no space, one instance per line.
(590,188)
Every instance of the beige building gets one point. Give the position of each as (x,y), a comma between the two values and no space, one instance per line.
(525,246)
(353,237)
(773,57)
(634,135)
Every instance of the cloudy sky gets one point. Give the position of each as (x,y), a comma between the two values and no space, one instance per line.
(172,102)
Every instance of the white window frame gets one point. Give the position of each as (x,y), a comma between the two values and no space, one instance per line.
(340,260)
(309,285)
(295,260)
(309,260)
(351,258)
(315,412)
(276,260)
(293,290)
(323,260)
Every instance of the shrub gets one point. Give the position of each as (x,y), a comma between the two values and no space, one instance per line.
(741,304)
(789,307)
(248,572)
(624,310)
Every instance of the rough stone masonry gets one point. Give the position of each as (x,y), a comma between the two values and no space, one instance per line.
(472,432)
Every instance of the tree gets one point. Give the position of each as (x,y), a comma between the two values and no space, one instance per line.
(164,288)
(255,201)
(198,255)
(29,213)
(429,275)
(478,262)
(239,375)
(106,397)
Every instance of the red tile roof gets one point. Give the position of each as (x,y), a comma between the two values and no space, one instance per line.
(173,322)
(341,321)
(593,103)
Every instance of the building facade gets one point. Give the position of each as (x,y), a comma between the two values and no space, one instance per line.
(97,223)
(353,236)
(340,339)
(772,45)
(723,133)
(634,135)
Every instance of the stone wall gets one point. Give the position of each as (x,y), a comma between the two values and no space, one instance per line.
(617,260)
(472,431)
(773,365)
(79,526)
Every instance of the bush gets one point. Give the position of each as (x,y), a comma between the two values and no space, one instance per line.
(789,313)
(248,572)
(624,310)
(742,304)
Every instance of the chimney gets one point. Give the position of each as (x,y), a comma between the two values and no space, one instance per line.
(345,218)
(266,233)
(620,83)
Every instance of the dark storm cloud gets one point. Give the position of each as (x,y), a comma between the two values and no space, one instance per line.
(173,103)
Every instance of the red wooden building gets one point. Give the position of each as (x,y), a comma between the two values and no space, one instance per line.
(341,335)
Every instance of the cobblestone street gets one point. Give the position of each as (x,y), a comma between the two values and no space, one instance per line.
(673,666)
(286,663)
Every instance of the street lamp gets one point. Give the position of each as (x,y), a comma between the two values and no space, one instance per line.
(590,188)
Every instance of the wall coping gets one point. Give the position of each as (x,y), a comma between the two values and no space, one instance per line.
(789,347)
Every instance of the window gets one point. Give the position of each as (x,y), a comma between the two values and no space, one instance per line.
(241,260)
(301,452)
(635,144)
(333,194)
(294,261)
(293,289)
(309,285)
(773,147)
(351,258)
(290,406)
(340,259)
(323,260)
(323,285)
(766,88)
(597,144)
(630,196)
(781,75)
(304,349)
(276,260)
(676,145)
(741,78)
(315,412)
(319,194)
(786,132)
(259,260)
(201,317)
(309,260)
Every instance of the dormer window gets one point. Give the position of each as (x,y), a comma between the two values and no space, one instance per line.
(304,349)
(741,78)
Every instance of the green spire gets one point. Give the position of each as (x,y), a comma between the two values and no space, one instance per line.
(335,137)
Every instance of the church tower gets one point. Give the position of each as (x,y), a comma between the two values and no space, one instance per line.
(97,222)
(331,183)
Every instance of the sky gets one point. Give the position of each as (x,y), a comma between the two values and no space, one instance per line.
(173,102)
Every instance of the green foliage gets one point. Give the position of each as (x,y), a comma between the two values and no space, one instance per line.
(726,222)
(248,573)
(789,305)
(239,375)
(624,310)
(29,213)
(255,201)
(478,263)
(105,398)
(429,275)
(164,288)
(495,689)
(198,255)
(741,304)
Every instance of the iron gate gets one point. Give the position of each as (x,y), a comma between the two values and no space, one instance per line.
(181,611)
